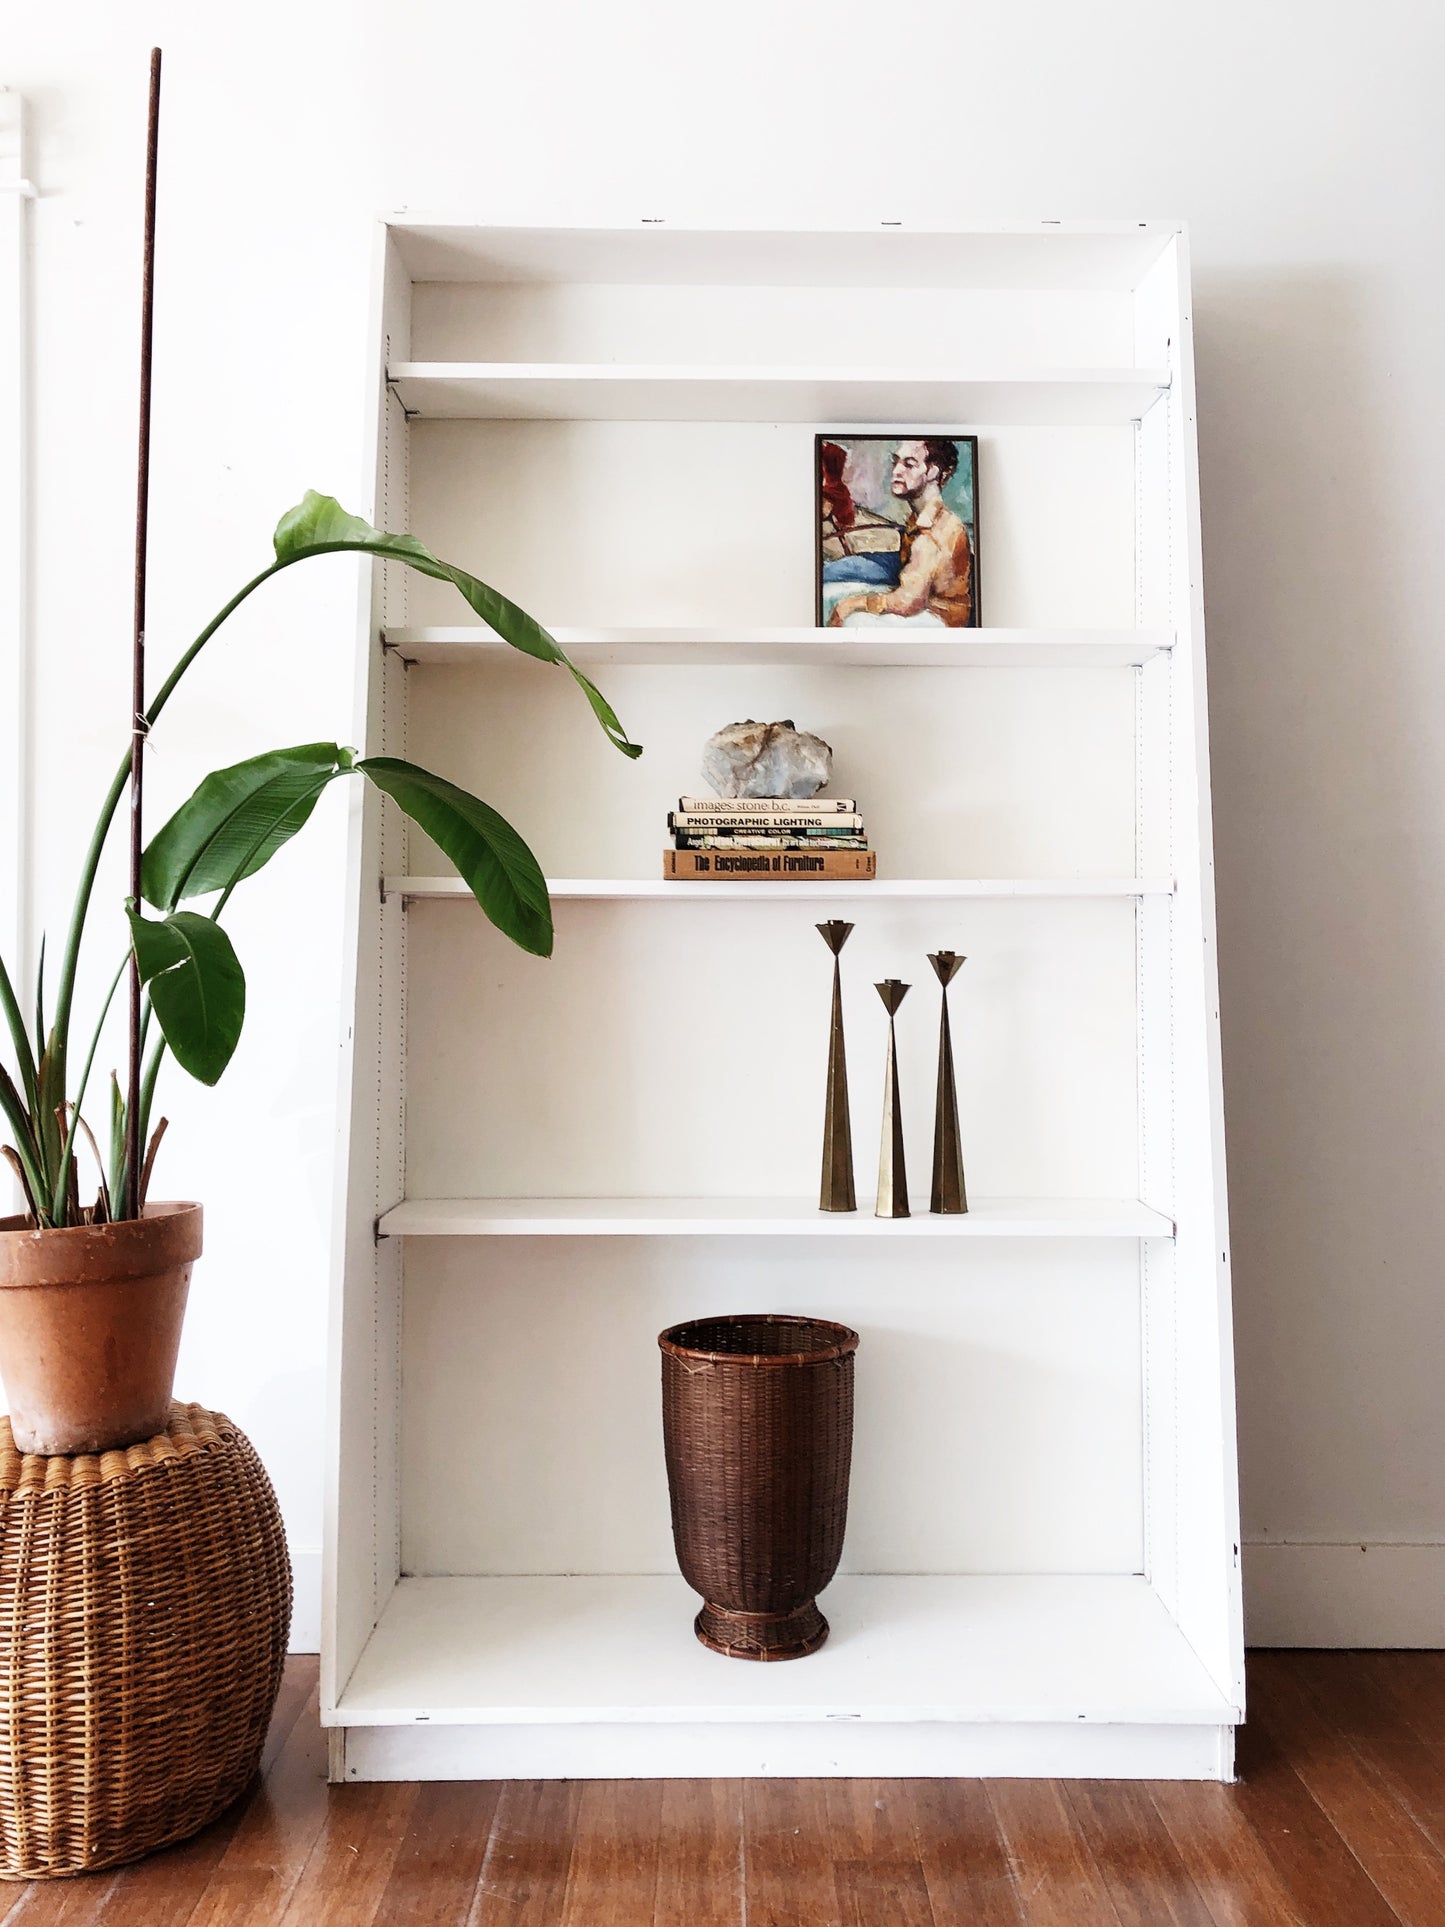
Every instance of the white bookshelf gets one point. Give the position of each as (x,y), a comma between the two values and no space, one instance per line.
(546,1163)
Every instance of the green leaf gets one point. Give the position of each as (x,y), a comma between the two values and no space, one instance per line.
(318,525)
(236,821)
(116,1184)
(49,1096)
(19,1036)
(25,1147)
(197,987)
(499,869)
(40,1032)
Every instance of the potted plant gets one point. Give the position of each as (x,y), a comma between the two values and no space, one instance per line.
(92,1295)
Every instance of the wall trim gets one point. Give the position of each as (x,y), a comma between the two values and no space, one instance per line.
(1321,1594)
(16,194)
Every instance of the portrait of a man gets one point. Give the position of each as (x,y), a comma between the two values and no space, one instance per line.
(898,530)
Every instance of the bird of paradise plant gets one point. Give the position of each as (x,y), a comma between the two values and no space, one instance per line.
(233,824)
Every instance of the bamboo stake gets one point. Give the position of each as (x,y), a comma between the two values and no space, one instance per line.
(139,725)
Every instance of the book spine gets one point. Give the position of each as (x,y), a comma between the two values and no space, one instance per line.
(767,805)
(779,866)
(840,823)
(736,840)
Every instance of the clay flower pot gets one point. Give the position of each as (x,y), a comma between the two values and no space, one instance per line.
(90,1324)
(757,1419)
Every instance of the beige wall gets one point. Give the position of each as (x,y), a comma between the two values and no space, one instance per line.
(1302,144)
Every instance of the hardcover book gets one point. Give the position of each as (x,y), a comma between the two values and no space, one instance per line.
(782,866)
(767,805)
(735,840)
(838,823)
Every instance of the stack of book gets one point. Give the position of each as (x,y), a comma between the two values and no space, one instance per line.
(738,838)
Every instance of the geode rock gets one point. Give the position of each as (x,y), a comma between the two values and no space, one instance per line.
(766,759)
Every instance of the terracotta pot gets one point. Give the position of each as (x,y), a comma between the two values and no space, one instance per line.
(90,1324)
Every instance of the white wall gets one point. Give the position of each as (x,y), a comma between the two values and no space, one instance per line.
(1306,157)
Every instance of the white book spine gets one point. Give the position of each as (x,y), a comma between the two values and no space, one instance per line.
(840,822)
(699,840)
(766,805)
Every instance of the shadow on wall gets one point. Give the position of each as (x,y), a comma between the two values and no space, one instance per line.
(1325,681)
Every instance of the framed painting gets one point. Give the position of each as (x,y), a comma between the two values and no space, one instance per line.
(897,530)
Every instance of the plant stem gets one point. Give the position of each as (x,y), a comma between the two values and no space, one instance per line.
(126,1203)
(148,1087)
(65,994)
(152,1069)
(157,1056)
(57,1203)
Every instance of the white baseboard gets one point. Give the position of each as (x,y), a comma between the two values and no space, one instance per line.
(306,1599)
(1344,1595)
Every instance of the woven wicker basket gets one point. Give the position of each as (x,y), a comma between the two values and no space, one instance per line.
(757,1421)
(145,1600)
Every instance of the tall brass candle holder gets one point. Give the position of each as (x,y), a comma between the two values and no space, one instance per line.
(892,1176)
(836,1193)
(949,1196)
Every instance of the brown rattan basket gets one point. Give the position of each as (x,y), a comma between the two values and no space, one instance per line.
(145,1600)
(757,1416)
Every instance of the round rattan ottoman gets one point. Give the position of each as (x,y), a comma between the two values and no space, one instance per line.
(145,1600)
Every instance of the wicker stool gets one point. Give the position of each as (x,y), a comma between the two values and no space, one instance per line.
(145,1600)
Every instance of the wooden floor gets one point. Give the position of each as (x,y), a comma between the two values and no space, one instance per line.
(1339,1821)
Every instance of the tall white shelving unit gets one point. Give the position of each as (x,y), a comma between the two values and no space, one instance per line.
(545,1163)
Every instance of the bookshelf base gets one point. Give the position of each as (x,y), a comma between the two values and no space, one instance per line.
(585,1676)
(833,1751)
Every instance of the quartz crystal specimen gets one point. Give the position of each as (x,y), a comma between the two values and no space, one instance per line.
(766,759)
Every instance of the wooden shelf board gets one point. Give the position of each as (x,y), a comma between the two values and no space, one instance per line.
(801,648)
(903,1648)
(1051,255)
(765,1217)
(612,391)
(625,889)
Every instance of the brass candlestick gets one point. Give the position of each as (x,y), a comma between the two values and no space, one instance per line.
(836,1193)
(892,1176)
(949,1195)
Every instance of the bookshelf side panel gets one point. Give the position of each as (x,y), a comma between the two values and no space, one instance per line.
(363,1524)
(1192,1503)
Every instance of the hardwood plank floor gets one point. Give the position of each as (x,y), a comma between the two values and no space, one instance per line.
(701,1867)
(789,1878)
(1056,1877)
(1148,1883)
(873,1843)
(1338,1821)
(962,1854)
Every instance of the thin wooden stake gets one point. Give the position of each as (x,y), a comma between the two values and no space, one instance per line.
(138,724)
